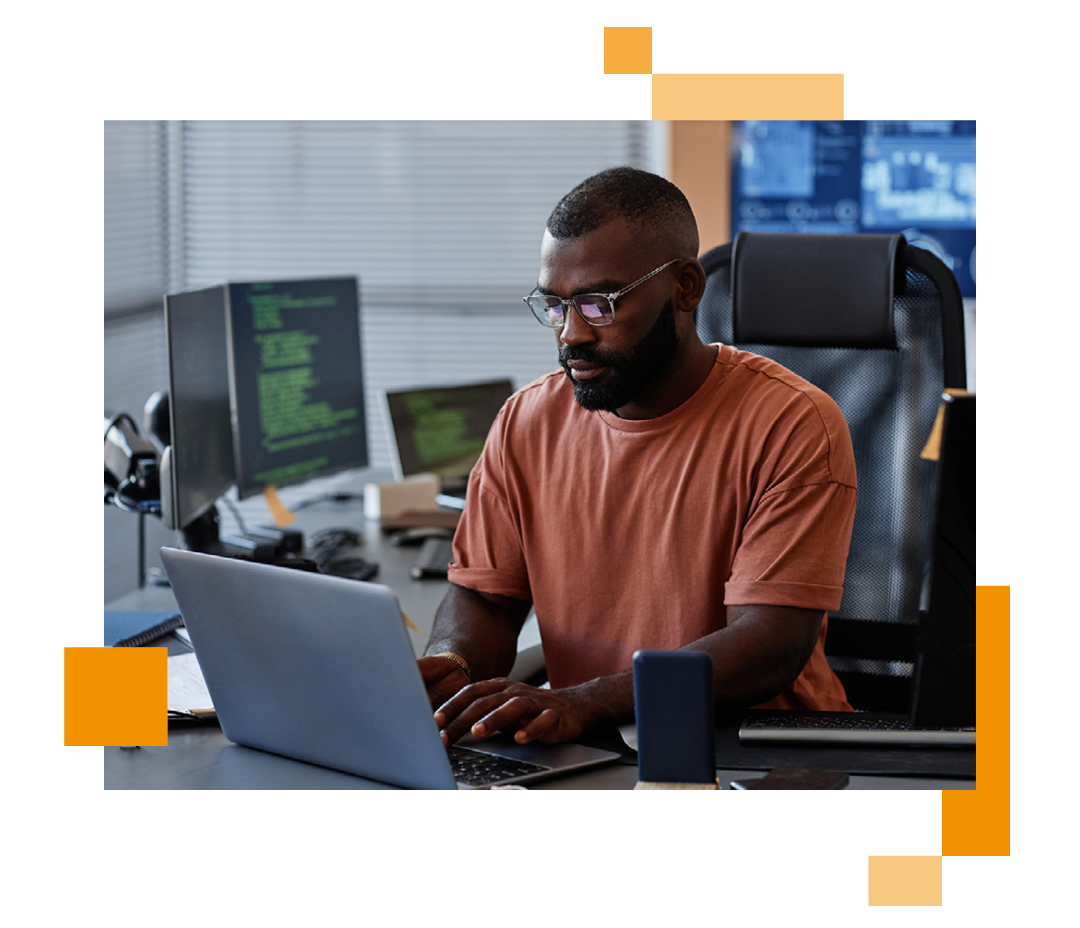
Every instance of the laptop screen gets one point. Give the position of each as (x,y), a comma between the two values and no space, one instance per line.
(441,430)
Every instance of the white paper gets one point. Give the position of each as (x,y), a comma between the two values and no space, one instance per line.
(187,688)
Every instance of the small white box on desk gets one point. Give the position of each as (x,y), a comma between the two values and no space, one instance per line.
(387,500)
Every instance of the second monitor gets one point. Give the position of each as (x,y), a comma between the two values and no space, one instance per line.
(296,381)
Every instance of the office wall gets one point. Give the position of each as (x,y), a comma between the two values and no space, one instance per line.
(701,167)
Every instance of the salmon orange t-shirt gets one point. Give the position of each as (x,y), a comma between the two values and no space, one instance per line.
(629,534)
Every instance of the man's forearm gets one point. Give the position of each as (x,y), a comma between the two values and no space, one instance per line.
(760,653)
(755,658)
(481,628)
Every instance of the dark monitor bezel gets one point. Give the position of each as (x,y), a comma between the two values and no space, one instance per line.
(214,485)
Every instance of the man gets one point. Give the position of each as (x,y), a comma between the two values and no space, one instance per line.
(656,492)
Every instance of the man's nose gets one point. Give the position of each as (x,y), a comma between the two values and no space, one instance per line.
(576,331)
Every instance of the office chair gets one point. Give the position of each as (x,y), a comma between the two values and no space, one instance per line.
(878,325)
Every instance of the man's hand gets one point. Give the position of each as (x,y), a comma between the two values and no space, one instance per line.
(501,704)
(443,677)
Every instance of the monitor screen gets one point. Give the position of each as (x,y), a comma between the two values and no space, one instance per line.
(441,430)
(201,464)
(297,384)
(911,176)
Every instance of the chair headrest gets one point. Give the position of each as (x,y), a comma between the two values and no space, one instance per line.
(819,290)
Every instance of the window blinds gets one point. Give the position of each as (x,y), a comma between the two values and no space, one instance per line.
(135,233)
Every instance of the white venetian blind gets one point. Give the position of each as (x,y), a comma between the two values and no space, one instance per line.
(135,234)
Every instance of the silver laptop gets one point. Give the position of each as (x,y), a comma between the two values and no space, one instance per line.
(321,669)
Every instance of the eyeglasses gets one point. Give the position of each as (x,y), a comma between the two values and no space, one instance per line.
(594,308)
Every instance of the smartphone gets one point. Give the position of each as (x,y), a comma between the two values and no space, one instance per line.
(673,706)
(795,778)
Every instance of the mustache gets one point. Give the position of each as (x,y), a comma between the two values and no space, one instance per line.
(590,354)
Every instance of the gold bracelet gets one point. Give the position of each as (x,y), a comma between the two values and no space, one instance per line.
(457,659)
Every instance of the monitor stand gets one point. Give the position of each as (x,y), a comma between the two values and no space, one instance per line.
(267,547)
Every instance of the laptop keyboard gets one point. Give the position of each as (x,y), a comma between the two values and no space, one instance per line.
(477,768)
(849,728)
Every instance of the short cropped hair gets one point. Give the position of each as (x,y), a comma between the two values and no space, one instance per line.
(643,199)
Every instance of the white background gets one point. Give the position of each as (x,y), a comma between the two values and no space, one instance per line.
(552,858)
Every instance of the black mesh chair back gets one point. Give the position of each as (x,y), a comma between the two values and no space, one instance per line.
(878,325)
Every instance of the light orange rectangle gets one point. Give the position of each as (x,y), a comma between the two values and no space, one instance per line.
(975,823)
(116,696)
(905,881)
(748,96)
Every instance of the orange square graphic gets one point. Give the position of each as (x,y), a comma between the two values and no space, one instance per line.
(905,881)
(628,49)
(116,696)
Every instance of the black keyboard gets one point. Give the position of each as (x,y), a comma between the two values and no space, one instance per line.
(850,728)
(478,768)
(434,559)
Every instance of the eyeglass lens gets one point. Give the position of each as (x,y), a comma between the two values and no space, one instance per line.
(551,311)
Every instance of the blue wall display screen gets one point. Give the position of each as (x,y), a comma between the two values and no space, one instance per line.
(916,177)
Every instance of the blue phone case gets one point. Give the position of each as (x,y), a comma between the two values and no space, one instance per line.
(673,704)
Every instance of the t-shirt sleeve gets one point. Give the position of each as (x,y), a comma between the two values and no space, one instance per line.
(488,543)
(794,543)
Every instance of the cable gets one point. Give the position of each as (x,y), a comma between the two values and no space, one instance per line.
(334,497)
(115,496)
(113,420)
(236,514)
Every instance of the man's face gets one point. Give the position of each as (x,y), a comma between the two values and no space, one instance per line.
(627,374)
(612,366)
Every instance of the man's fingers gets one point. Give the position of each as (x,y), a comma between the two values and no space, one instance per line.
(474,703)
(503,716)
(464,697)
(504,705)
(545,723)
(468,719)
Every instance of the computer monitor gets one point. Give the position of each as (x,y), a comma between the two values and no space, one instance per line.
(296,381)
(911,176)
(441,430)
(198,466)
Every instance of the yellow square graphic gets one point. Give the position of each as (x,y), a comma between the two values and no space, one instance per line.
(905,881)
(628,49)
(116,696)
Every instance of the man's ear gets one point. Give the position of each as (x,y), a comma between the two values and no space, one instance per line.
(690,281)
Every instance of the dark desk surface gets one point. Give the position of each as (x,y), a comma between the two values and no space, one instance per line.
(203,758)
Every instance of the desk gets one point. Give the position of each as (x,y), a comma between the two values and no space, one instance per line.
(203,758)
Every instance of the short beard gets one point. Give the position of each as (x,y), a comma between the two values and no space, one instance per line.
(632,372)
